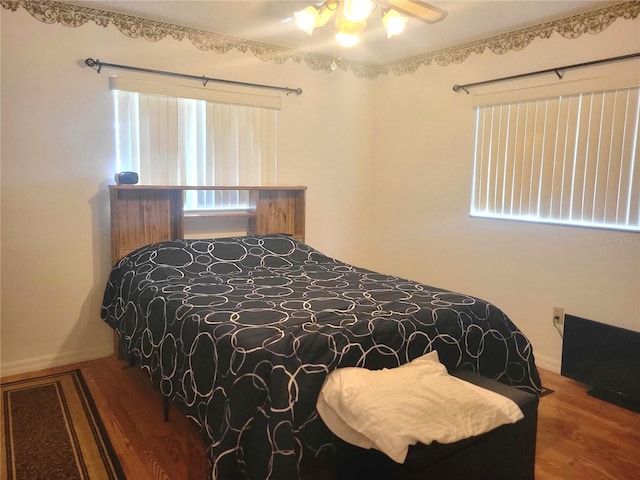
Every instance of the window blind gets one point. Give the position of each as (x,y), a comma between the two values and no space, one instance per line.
(173,140)
(571,159)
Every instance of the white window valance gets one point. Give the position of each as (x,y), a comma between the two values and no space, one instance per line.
(125,84)
(560,89)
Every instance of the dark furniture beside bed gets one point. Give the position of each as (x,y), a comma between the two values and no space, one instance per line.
(241,332)
(506,453)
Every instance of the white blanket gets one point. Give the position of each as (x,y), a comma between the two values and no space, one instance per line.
(391,409)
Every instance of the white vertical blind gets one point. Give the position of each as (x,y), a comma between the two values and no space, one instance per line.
(566,159)
(185,141)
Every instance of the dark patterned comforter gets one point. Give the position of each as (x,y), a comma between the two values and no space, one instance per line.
(242,332)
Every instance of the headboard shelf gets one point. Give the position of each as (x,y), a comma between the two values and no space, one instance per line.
(248,212)
(207,187)
(143,214)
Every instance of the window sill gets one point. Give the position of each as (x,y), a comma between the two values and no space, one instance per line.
(240,212)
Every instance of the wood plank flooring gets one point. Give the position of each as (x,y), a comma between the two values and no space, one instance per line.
(583,438)
(579,437)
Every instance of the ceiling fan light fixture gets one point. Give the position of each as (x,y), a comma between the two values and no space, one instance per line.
(394,22)
(306,18)
(347,40)
(326,11)
(350,28)
(348,32)
(357,10)
(351,16)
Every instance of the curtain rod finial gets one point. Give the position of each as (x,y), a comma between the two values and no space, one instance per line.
(90,62)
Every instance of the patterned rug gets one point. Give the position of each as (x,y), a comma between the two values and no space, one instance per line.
(52,430)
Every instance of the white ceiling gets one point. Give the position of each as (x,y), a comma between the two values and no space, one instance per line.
(271,22)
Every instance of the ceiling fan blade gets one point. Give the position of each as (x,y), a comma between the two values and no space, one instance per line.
(419,10)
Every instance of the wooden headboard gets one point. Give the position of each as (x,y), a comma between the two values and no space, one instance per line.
(143,214)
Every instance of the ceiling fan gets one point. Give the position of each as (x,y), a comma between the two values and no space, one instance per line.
(352,15)
(419,10)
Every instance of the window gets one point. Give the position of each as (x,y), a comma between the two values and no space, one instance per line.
(170,138)
(569,159)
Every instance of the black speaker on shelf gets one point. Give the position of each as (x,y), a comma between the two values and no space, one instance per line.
(126,178)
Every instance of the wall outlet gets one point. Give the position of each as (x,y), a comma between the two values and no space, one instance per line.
(558,315)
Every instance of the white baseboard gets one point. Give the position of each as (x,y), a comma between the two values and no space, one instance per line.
(548,363)
(49,361)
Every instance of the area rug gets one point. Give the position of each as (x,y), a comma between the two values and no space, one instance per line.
(52,430)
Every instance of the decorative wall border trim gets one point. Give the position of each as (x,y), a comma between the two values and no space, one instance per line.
(594,21)
(68,14)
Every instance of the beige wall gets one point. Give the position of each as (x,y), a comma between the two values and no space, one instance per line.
(425,232)
(387,163)
(58,158)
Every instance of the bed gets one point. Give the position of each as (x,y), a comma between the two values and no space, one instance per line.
(241,333)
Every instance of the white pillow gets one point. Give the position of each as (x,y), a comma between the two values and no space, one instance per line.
(391,409)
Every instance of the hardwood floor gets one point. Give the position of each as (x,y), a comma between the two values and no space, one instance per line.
(579,437)
(583,438)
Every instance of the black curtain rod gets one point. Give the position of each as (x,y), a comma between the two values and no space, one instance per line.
(97,64)
(559,71)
